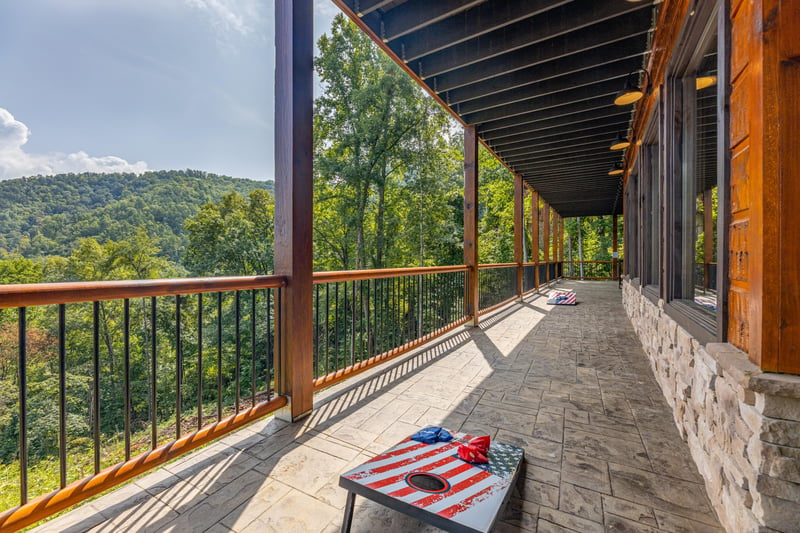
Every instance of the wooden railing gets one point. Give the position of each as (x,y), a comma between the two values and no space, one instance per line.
(363,318)
(167,370)
(142,353)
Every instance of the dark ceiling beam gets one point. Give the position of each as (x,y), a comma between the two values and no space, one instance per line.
(584,111)
(578,171)
(615,72)
(596,178)
(482,19)
(581,101)
(528,162)
(590,60)
(599,94)
(567,165)
(365,7)
(417,14)
(602,141)
(568,133)
(634,24)
(559,21)
(528,131)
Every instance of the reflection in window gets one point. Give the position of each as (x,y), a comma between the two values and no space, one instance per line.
(699,280)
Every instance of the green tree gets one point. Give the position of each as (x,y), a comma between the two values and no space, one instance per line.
(233,236)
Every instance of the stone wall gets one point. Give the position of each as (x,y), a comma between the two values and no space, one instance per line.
(742,425)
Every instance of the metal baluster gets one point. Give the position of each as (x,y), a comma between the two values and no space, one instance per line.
(238,330)
(219,356)
(96,384)
(327,327)
(316,349)
(22,375)
(178,367)
(153,377)
(253,346)
(270,353)
(199,360)
(336,327)
(126,337)
(62,395)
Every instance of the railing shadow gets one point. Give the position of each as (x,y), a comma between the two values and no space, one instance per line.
(229,476)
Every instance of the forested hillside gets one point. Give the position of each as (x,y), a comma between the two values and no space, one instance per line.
(47,215)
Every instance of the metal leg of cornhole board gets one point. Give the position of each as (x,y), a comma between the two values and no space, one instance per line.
(347,521)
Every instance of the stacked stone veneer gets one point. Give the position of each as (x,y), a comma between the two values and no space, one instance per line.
(742,425)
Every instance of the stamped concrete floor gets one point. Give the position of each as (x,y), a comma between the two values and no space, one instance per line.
(568,384)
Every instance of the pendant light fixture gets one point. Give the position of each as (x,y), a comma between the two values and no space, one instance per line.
(631,92)
(620,143)
(616,169)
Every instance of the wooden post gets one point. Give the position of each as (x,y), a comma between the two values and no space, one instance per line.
(519,228)
(294,101)
(556,226)
(708,237)
(471,220)
(614,249)
(546,239)
(535,235)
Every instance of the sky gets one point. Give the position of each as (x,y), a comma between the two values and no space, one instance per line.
(137,85)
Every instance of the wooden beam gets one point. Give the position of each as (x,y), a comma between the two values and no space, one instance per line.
(471,220)
(522,106)
(294,101)
(417,14)
(546,239)
(595,59)
(519,228)
(593,81)
(633,25)
(535,243)
(482,19)
(577,113)
(562,20)
(559,134)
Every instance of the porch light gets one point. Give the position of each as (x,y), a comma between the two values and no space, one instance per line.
(705,81)
(616,170)
(631,92)
(620,143)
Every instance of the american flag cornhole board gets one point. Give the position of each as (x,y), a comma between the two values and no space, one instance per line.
(562,297)
(432,484)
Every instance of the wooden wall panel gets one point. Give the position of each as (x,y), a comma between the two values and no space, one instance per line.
(764,309)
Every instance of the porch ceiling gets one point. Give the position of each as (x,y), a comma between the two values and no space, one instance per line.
(537,78)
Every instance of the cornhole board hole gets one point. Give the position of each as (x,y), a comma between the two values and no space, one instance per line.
(431,483)
(562,297)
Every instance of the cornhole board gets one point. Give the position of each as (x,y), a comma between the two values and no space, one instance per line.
(562,297)
(431,483)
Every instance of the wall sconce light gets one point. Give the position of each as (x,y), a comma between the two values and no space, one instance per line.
(620,143)
(616,169)
(631,92)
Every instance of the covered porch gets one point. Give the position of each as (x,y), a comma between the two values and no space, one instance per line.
(569,384)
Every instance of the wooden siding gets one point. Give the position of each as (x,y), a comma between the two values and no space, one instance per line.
(764,255)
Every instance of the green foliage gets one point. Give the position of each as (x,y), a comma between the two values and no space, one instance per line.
(385,187)
(233,236)
(47,215)
(495,210)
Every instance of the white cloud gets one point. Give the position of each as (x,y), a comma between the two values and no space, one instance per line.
(237,16)
(16,162)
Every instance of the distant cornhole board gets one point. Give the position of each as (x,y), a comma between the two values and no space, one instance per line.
(431,483)
(562,297)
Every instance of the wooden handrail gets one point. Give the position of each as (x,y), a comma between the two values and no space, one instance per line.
(29,294)
(49,504)
(350,275)
(496,265)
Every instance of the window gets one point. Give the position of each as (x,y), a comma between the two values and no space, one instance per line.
(691,178)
